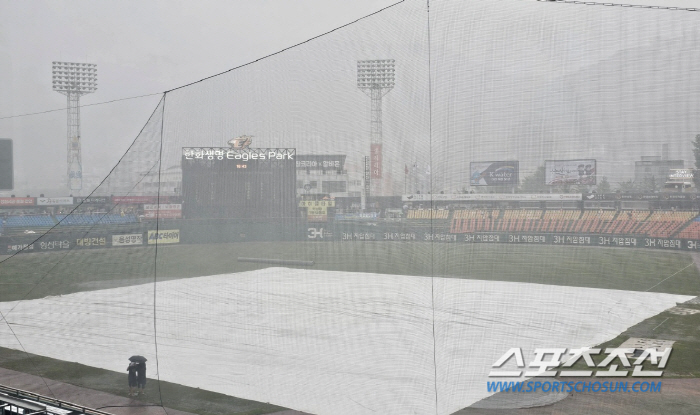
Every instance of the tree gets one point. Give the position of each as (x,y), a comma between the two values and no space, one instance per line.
(603,186)
(581,188)
(534,183)
(627,187)
(649,184)
(696,153)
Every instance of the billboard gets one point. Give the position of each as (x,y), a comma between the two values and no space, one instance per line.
(92,200)
(171,236)
(6,168)
(17,201)
(490,197)
(321,162)
(133,239)
(54,201)
(494,173)
(317,210)
(681,175)
(565,172)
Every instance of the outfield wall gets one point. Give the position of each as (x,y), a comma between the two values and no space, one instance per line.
(229,231)
(329,232)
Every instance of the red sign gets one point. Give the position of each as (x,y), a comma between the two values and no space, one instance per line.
(16,201)
(376,161)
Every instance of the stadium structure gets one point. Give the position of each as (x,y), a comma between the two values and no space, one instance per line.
(530,247)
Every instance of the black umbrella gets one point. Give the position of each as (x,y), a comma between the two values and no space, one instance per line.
(137,358)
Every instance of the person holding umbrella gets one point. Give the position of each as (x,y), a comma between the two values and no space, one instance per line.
(140,362)
(132,377)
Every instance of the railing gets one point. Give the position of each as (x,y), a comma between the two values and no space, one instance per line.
(17,398)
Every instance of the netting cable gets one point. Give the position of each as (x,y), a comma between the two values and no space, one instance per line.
(625,5)
(289,47)
(155,256)
(4,315)
(432,207)
(80,106)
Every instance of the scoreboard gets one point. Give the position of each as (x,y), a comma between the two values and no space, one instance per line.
(6,168)
(251,183)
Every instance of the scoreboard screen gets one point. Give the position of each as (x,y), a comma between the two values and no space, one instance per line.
(6,167)
(252,183)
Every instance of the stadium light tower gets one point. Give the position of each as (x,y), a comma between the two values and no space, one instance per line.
(74,80)
(376,78)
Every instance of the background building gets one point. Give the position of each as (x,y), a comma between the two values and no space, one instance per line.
(326,174)
(651,173)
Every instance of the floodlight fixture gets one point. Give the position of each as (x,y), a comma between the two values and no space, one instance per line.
(74,79)
(376,78)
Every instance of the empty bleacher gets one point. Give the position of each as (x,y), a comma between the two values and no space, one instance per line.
(428,214)
(592,221)
(663,224)
(526,220)
(559,220)
(94,219)
(474,220)
(32,221)
(625,222)
(659,224)
(692,231)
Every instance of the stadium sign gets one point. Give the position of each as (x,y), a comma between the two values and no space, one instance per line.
(17,201)
(136,200)
(357,216)
(494,173)
(134,239)
(681,174)
(92,200)
(163,211)
(171,236)
(642,196)
(459,197)
(320,162)
(318,234)
(92,241)
(232,154)
(317,210)
(54,201)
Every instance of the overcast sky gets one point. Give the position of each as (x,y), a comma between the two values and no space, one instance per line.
(512,79)
(140,47)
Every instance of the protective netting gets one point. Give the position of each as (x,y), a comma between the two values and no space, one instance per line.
(368,221)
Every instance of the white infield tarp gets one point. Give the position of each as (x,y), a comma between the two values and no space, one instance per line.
(325,342)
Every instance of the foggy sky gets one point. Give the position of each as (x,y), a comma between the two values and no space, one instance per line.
(140,47)
(510,79)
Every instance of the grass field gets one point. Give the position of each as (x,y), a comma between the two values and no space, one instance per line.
(30,276)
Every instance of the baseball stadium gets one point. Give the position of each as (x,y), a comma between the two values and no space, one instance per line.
(439,208)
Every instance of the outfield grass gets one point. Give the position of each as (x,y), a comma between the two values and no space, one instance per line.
(684,361)
(30,276)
